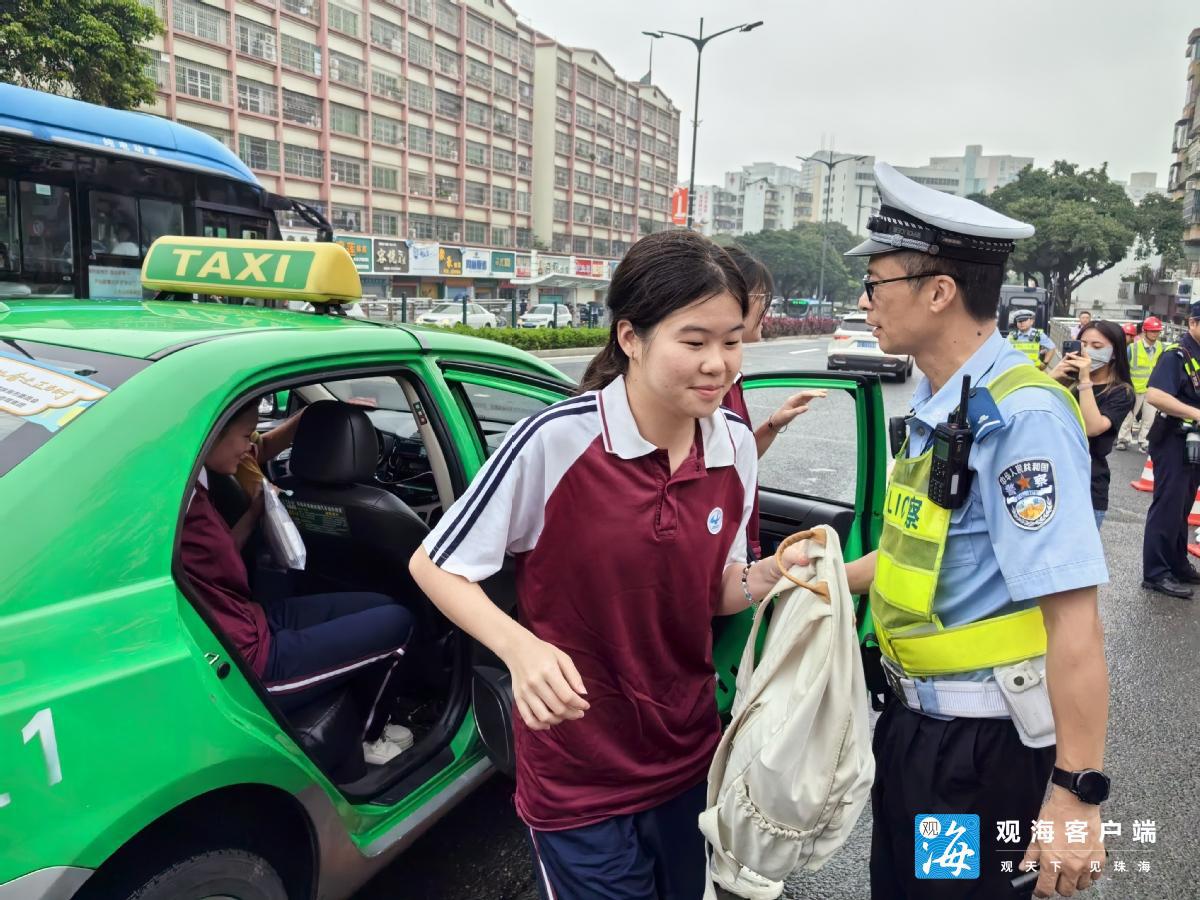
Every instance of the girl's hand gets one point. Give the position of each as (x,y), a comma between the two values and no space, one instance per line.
(1081,363)
(1063,371)
(546,685)
(795,405)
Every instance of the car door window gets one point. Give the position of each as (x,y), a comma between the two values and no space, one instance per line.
(495,400)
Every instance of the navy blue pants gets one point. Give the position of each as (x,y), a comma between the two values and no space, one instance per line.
(324,641)
(1164,544)
(657,854)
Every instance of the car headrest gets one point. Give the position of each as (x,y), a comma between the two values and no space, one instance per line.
(335,443)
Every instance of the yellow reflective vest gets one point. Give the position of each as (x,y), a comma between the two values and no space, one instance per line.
(1141,363)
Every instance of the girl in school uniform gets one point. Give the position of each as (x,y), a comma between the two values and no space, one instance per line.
(626,509)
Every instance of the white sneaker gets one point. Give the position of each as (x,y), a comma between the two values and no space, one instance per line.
(380,752)
(398,735)
(1145,447)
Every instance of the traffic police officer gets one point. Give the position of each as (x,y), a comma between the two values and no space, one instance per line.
(983,589)
(1143,354)
(1173,390)
(1031,341)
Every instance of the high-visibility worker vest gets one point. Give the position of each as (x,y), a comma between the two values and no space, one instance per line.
(1029,343)
(915,531)
(1141,363)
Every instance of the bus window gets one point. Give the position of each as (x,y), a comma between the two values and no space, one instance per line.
(215,225)
(46,244)
(125,226)
(8,228)
(159,217)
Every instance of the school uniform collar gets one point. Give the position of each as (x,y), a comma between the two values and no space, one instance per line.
(982,366)
(622,438)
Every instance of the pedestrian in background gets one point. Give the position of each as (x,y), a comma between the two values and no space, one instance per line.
(1143,355)
(1099,379)
(1085,319)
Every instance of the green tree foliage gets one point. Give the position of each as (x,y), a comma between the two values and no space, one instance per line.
(794,258)
(87,48)
(1085,223)
(1161,230)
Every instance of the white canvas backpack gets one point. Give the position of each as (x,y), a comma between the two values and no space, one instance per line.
(794,768)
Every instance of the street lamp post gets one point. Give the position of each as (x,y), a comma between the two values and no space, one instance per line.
(830,164)
(699,41)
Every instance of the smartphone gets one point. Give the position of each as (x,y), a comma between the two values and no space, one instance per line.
(1070,347)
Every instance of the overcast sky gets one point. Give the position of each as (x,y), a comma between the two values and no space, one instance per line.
(1090,82)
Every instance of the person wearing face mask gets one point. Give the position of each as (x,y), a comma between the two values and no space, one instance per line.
(1099,378)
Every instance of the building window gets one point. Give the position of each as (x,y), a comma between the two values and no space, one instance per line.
(504,123)
(561,211)
(602,186)
(343,20)
(387,223)
(347,218)
(259,153)
(197,80)
(501,198)
(524,238)
(525,130)
(503,160)
(479,114)
(524,165)
(257,40)
(301,109)
(201,20)
(562,143)
(422,9)
(387,35)
(562,110)
(562,74)
(525,93)
(476,233)
(562,177)
(583,213)
(602,217)
(419,185)
(303,162)
(583,181)
(501,237)
(446,188)
(604,125)
(420,226)
(345,119)
(479,74)
(420,139)
(560,243)
(448,229)
(385,85)
(300,54)
(447,16)
(506,43)
(479,30)
(506,85)
(420,51)
(343,170)
(449,105)
(345,69)
(579,245)
(448,62)
(585,84)
(420,96)
(606,94)
(525,53)
(600,247)
(477,154)
(386,130)
(305,8)
(385,178)
(523,202)
(584,149)
(257,97)
(446,147)
(476,194)
(159,68)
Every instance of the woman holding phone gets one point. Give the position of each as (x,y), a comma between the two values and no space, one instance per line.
(1098,375)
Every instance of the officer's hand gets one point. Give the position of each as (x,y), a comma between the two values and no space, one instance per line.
(1066,867)
(546,685)
(795,405)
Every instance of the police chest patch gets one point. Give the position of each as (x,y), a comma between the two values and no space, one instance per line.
(1029,492)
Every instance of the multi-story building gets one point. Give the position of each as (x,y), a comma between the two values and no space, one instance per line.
(605,152)
(414,119)
(716,210)
(760,197)
(1184,181)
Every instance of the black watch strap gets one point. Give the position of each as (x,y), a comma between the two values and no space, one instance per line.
(1089,785)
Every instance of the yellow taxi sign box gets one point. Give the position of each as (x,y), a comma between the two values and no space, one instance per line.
(270,270)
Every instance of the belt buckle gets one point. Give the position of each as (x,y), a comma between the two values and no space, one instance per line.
(893,680)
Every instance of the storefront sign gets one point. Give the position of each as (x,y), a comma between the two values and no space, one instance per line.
(450,261)
(554,265)
(503,264)
(391,256)
(523,265)
(476,263)
(422,258)
(359,250)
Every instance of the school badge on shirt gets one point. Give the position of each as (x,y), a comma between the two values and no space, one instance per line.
(1029,492)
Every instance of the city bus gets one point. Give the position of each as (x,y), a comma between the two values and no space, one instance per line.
(85,190)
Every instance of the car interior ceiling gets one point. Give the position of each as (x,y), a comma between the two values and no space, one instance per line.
(362,511)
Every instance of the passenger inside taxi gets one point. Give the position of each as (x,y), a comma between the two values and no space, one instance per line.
(302,647)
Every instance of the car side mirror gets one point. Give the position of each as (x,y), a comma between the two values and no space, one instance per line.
(492,703)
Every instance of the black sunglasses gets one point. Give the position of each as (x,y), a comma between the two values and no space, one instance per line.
(869,285)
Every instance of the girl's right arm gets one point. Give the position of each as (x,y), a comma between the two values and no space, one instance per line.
(546,685)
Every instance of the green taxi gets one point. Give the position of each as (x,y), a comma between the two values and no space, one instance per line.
(140,757)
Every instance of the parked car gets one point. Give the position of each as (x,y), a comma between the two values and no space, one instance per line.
(546,315)
(142,756)
(854,347)
(447,315)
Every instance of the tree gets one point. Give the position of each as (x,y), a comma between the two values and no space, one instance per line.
(87,48)
(1161,230)
(794,258)
(1085,223)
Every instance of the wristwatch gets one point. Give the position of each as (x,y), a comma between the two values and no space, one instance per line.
(1089,785)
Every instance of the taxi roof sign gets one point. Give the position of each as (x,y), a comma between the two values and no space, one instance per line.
(270,270)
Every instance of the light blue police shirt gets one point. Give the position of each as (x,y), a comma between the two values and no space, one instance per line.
(1044,341)
(1027,528)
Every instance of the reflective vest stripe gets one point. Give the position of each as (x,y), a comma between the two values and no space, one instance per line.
(997,641)
(1141,364)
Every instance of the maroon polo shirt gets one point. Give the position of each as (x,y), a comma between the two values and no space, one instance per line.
(619,565)
(735,401)
(213,565)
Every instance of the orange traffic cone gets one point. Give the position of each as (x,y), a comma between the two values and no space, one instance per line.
(1194,515)
(1146,482)
(1194,548)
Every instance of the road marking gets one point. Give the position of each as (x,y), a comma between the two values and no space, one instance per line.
(810,350)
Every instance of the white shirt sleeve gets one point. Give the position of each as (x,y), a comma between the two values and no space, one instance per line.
(746,450)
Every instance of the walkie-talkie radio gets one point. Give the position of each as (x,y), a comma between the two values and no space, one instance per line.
(949,477)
